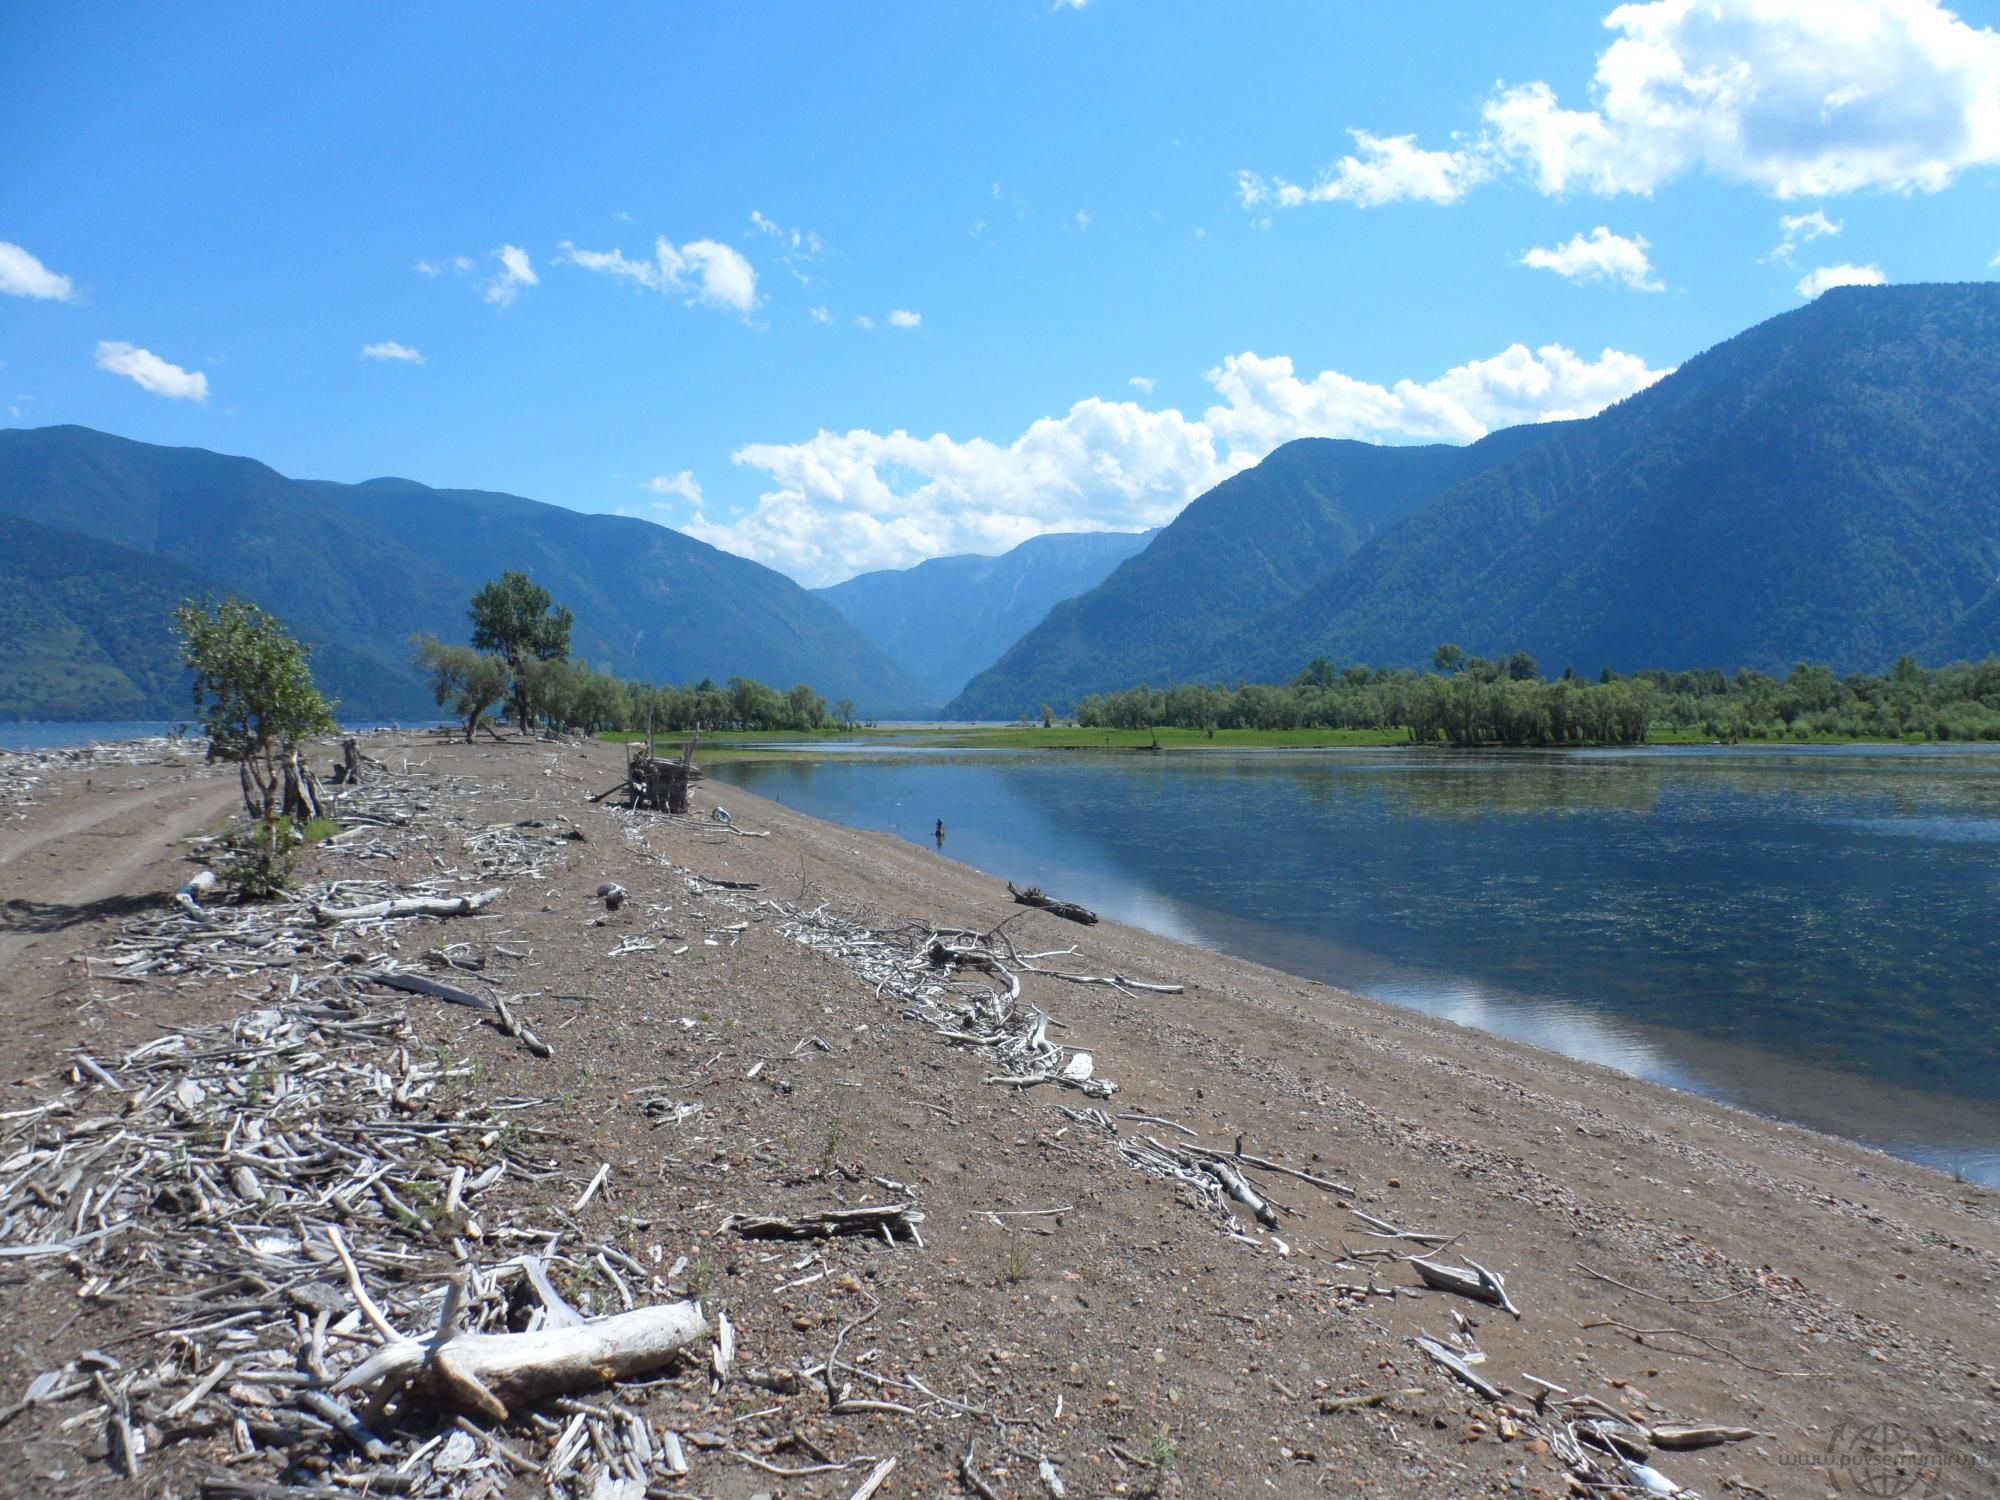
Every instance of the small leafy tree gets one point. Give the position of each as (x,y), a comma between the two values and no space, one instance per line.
(516,617)
(254,691)
(470,681)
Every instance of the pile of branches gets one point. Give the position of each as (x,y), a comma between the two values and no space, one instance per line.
(289,1194)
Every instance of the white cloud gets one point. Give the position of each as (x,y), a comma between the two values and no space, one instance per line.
(1082,220)
(461,263)
(819,315)
(1143,383)
(516,271)
(1599,256)
(428,268)
(709,272)
(841,503)
(151,372)
(21,275)
(1387,169)
(390,349)
(902,317)
(1801,229)
(862,320)
(1822,278)
(1796,97)
(683,484)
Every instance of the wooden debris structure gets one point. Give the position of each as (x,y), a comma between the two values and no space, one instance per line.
(653,784)
(1069,911)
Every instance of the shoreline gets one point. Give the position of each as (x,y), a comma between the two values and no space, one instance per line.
(1084,1300)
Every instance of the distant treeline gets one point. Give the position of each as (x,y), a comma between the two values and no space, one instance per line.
(1467,700)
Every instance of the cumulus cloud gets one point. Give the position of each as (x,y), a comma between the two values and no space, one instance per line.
(428,268)
(516,271)
(841,503)
(862,320)
(1384,169)
(1822,278)
(707,271)
(819,314)
(390,349)
(1801,229)
(151,373)
(1143,383)
(797,248)
(902,317)
(1796,97)
(683,484)
(21,275)
(1599,256)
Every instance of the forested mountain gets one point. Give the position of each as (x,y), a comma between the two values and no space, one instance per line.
(1825,487)
(357,569)
(947,618)
(1255,540)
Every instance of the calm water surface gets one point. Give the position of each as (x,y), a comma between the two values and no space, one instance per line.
(1814,934)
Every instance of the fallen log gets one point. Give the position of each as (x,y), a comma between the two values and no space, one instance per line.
(886,1219)
(407,906)
(1069,911)
(490,1373)
(416,984)
(1478,1283)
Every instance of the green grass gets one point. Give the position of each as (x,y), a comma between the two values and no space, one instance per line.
(745,745)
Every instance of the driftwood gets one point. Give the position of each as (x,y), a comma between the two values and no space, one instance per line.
(889,1220)
(407,906)
(490,1373)
(1238,1187)
(1069,911)
(1695,1435)
(188,897)
(1478,1283)
(1458,1367)
(416,984)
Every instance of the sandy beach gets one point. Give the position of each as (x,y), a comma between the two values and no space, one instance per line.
(1068,1313)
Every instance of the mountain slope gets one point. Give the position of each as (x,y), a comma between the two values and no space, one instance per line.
(1253,542)
(358,569)
(81,620)
(947,618)
(1822,487)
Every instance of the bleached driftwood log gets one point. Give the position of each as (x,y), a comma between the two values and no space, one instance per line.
(1069,911)
(408,906)
(1478,1283)
(490,1373)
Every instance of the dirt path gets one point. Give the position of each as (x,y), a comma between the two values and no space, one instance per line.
(103,845)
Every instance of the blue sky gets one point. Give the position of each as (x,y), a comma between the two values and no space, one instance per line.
(896,281)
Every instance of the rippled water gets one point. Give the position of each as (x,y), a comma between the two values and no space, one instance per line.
(1812,933)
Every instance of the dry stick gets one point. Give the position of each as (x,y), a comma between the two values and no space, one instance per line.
(1578,1265)
(971,1477)
(1642,1334)
(369,1309)
(1325,1184)
(591,1191)
(874,1481)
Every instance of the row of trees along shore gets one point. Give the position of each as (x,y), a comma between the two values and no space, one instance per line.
(520,657)
(1468,700)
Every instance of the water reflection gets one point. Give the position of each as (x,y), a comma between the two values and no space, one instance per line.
(1668,914)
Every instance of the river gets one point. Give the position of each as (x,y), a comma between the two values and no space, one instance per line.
(1812,934)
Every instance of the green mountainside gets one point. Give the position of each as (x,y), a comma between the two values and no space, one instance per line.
(1256,540)
(1825,486)
(357,569)
(947,618)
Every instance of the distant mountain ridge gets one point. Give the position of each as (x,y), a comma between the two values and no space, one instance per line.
(358,569)
(1823,487)
(1259,538)
(947,618)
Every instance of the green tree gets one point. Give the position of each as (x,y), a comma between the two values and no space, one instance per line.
(516,617)
(470,681)
(254,691)
(1449,657)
